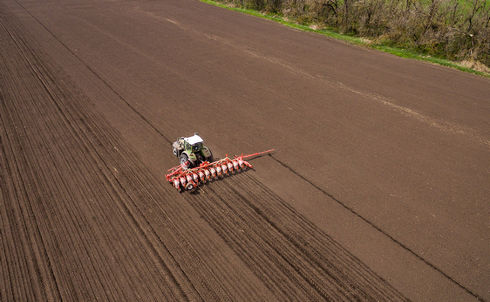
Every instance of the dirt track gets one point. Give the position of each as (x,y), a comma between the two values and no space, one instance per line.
(379,189)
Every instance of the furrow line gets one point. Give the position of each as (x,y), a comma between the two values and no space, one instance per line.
(306,237)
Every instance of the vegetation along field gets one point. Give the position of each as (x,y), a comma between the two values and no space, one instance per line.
(457,30)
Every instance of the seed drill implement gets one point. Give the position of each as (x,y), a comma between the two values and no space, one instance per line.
(197,165)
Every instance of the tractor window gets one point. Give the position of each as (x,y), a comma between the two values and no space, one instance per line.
(196,147)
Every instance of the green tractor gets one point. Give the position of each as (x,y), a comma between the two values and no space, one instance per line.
(191,151)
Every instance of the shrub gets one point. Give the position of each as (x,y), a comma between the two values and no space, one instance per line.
(454,29)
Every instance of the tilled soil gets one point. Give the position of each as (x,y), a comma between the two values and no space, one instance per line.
(381,169)
(83,220)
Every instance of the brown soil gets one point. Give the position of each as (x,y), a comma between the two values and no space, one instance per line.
(378,191)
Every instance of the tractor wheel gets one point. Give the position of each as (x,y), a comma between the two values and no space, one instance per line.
(210,157)
(184,161)
(200,158)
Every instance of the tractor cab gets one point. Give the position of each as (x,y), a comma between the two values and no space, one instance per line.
(191,151)
(193,143)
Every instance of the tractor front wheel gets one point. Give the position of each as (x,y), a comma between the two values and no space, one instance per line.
(184,161)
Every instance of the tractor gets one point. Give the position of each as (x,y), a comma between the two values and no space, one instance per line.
(191,151)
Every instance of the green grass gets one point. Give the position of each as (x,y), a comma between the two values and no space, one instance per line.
(404,53)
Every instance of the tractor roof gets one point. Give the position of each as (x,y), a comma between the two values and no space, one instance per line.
(193,139)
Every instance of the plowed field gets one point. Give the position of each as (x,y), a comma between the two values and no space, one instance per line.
(93,93)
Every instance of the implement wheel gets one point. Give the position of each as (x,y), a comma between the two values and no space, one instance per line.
(191,186)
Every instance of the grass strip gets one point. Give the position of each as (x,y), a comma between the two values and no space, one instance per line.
(400,52)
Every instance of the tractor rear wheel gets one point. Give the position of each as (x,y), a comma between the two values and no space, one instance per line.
(210,157)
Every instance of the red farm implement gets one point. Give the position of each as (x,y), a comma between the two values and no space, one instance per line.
(189,179)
